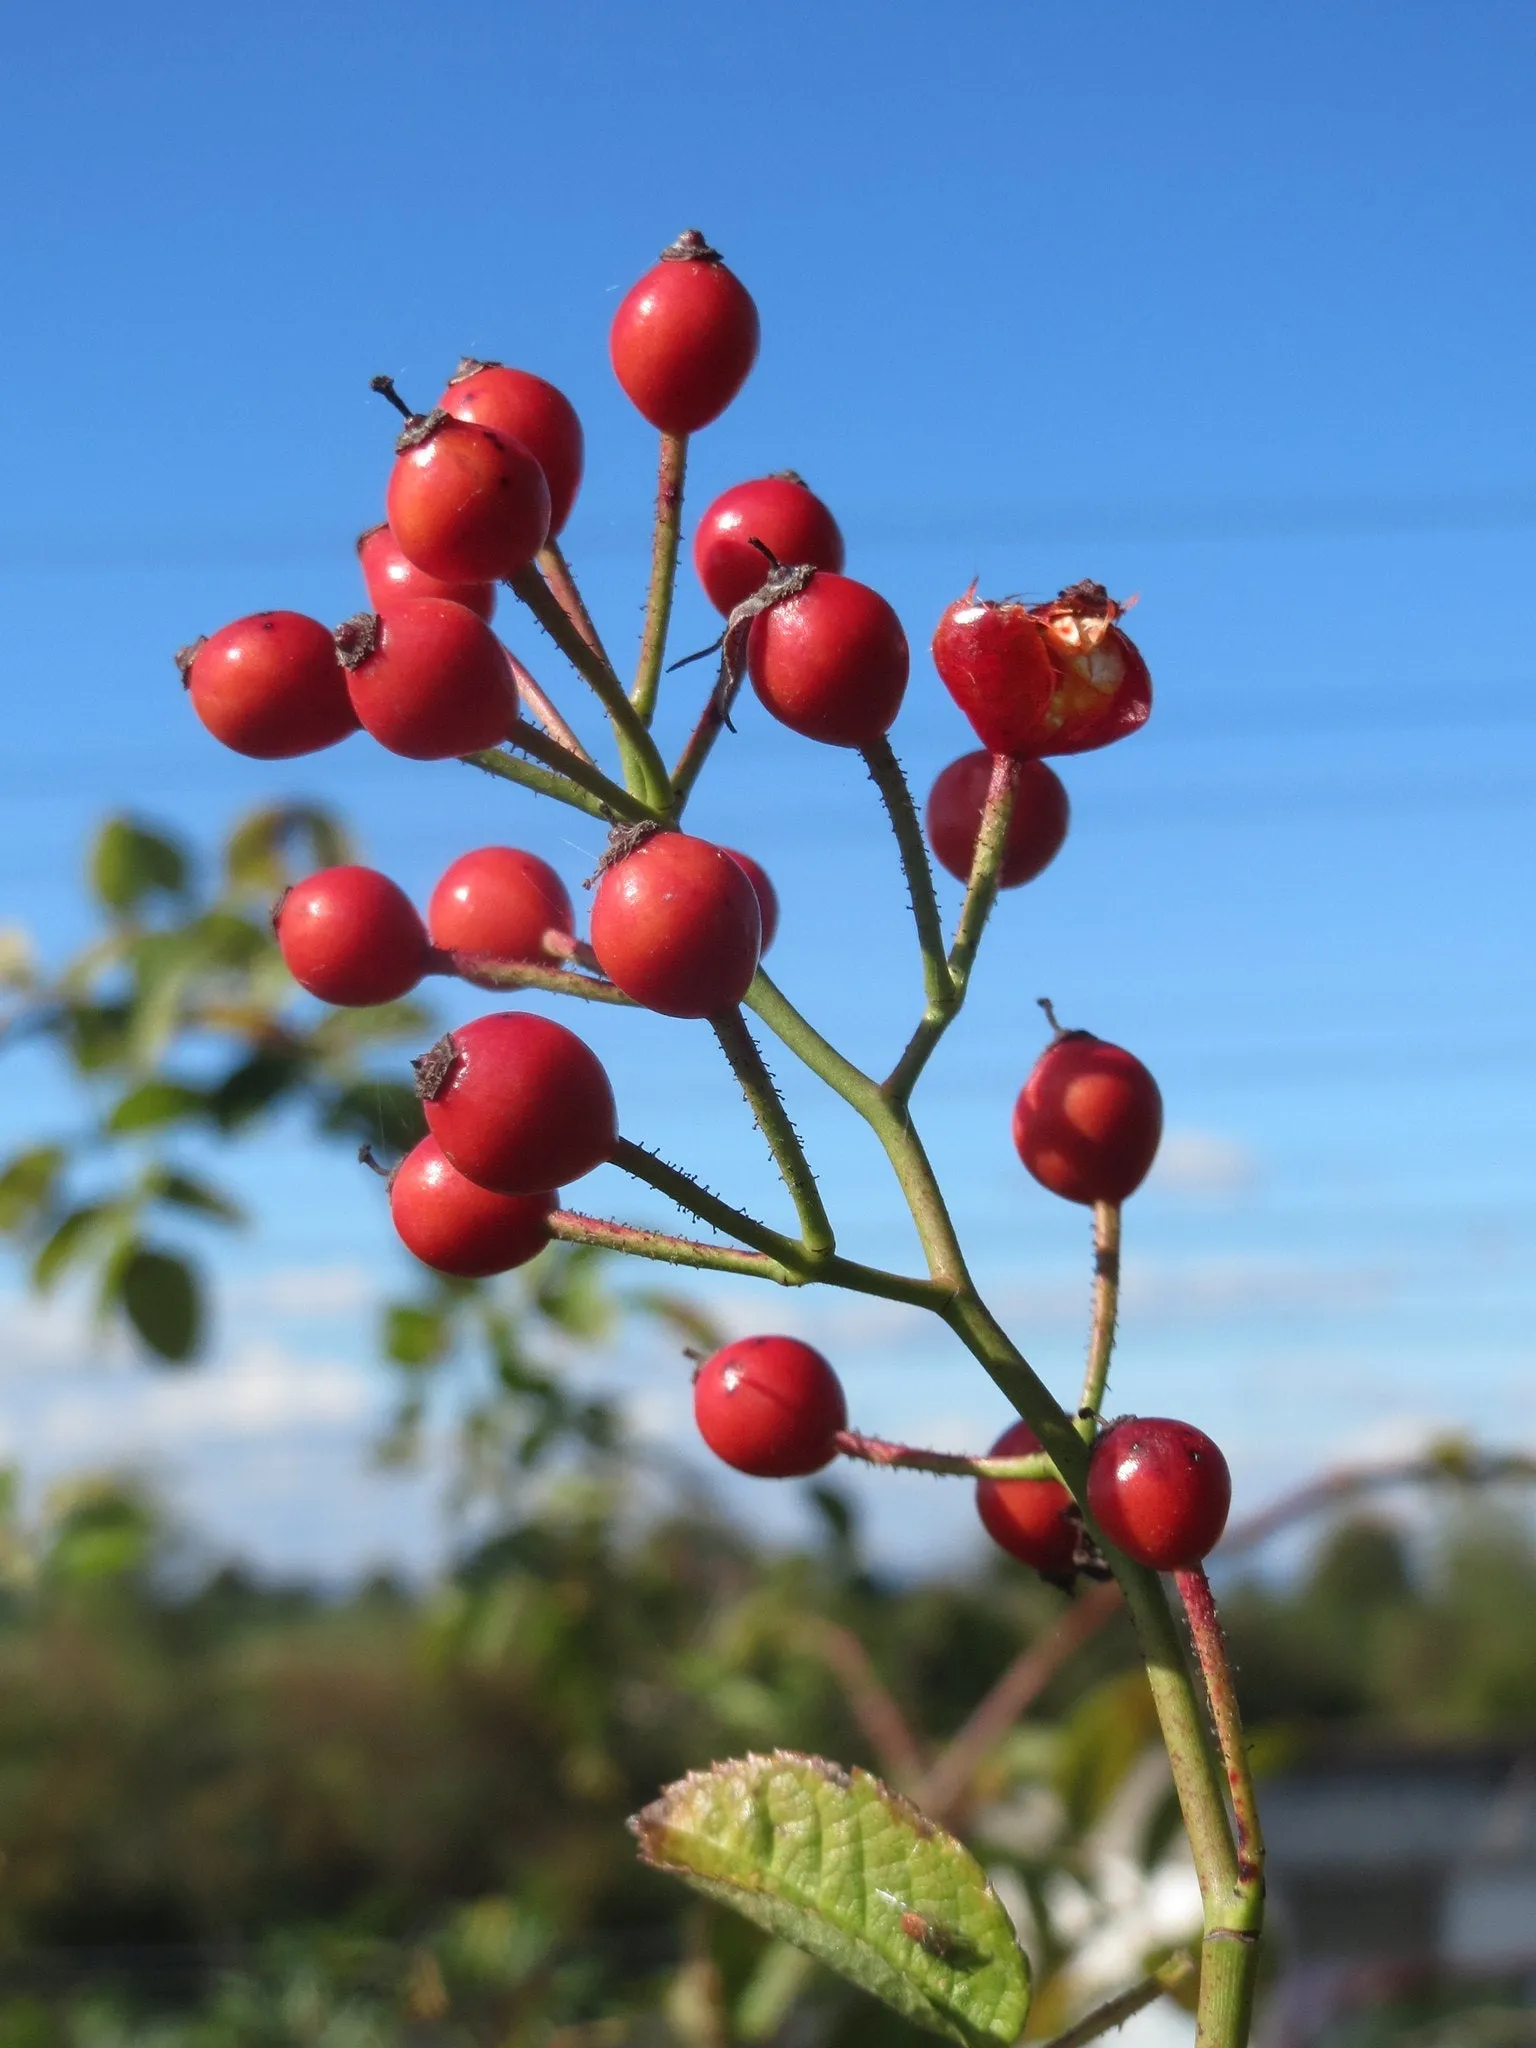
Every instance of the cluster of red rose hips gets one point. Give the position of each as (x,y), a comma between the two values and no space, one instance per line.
(516,1105)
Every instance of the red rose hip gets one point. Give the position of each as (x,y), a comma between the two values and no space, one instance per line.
(454,1226)
(428,679)
(269,686)
(388,575)
(1103,691)
(1034,1520)
(830,663)
(524,408)
(676,926)
(518,1103)
(767,896)
(1159,1490)
(351,936)
(1037,825)
(684,338)
(465,503)
(992,659)
(770,1406)
(1088,1120)
(790,521)
(499,902)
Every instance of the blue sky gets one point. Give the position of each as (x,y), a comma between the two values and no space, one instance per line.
(1224,308)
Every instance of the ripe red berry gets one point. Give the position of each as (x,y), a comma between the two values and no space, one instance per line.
(524,408)
(465,503)
(791,522)
(389,575)
(458,1228)
(351,936)
(1034,1520)
(684,338)
(676,926)
(1159,1490)
(770,1406)
(1103,690)
(499,902)
(518,1103)
(428,679)
(1088,1120)
(830,663)
(1037,824)
(767,896)
(1056,678)
(269,686)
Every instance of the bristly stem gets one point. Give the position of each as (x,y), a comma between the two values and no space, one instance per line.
(671,470)
(556,572)
(767,1107)
(980,895)
(1114,2012)
(696,1199)
(496,762)
(1106,1303)
(482,972)
(874,1450)
(542,707)
(885,773)
(573,1228)
(1211,1649)
(644,772)
(616,802)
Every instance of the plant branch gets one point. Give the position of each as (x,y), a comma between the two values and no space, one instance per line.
(875,1450)
(763,1099)
(1106,1304)
(578,768)
(1114,2012)
(482,971)
(694,1197)
(573,1228)
(644,773)
(869,1700)
(497,762)
(542,708)
(556,572)
(885,773)
(1211,1649)
(671,470)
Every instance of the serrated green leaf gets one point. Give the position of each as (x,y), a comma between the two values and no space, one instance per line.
(27,1184)
(268,849)
(129,863)
(414,1336)
(154,1104)
(160,1295)
(834,1861)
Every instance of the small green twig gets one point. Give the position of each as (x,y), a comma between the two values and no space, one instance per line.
(556,572)
(696,1199)
(885,773)
(577,768)
(541,707)
(874,1450)
(671,470)
(496,762)
(1114,2012)
(766,1104)
(1106,1303)
(482,971)
(573,1228)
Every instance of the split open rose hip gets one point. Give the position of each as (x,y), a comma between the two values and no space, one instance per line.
(1057,678)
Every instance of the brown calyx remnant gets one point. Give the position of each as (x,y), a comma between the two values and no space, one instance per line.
(623,840)
(690,247)
(471,366)
(421,426)
(432,1067)
(356,638)
(185,656)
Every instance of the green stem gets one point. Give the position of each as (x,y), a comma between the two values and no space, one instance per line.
(483,972)
(644,773)
(767,1107)
(1106,1304)
(980,895)
(1114,2012)
(542,708)
(690,1195)
(1211,1649)
(671,470)
(557,574)
(1229,1972)
(576,768)
(874,1450)
(885,773)
(511,769)
(712,721)
(572,1228)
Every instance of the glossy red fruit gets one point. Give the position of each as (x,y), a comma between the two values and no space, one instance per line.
(1057,678)
(1103,690)
(767,896)
(830,663)
(1034,1520)
(499,902)
(428,678)
(791,522)
(465,503)
(518,1103)
(1159,1490)
(458,1228)
(269,686)
(1088,1120)
(684,338)
(351,936)
(1037,824)
(389,575)
(676,926)
(770,1406)
(524,408)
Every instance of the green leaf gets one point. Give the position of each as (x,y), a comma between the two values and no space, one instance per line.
(388,1114)
(572,1294)
(185,1191)
(835,1862)
(160,1295)
(97,1034)
(415,1336)
(27,1184)
(129,863)
(154,1104)
(679,1314)
(254,1086)
(268,849)
(72,1239)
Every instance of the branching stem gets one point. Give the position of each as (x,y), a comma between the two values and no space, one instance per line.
(671,471)
(767,1107)
(556,572)
(1106,1303)
(885,773)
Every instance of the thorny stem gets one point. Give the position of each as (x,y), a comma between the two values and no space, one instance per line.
(573,1228)
(1106,1303)
(712,721)
(874,1450)
(481,971)
(767,1107)
(497,762)
(885,773)
(556,572)
(671,470)
(542,707)
(1114,2012)
(1211,1649)
(577,768)
(980,895)
(693,1196)
(644,773)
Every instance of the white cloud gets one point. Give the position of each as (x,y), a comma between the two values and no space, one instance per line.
(1204,1164)
(304,1291)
